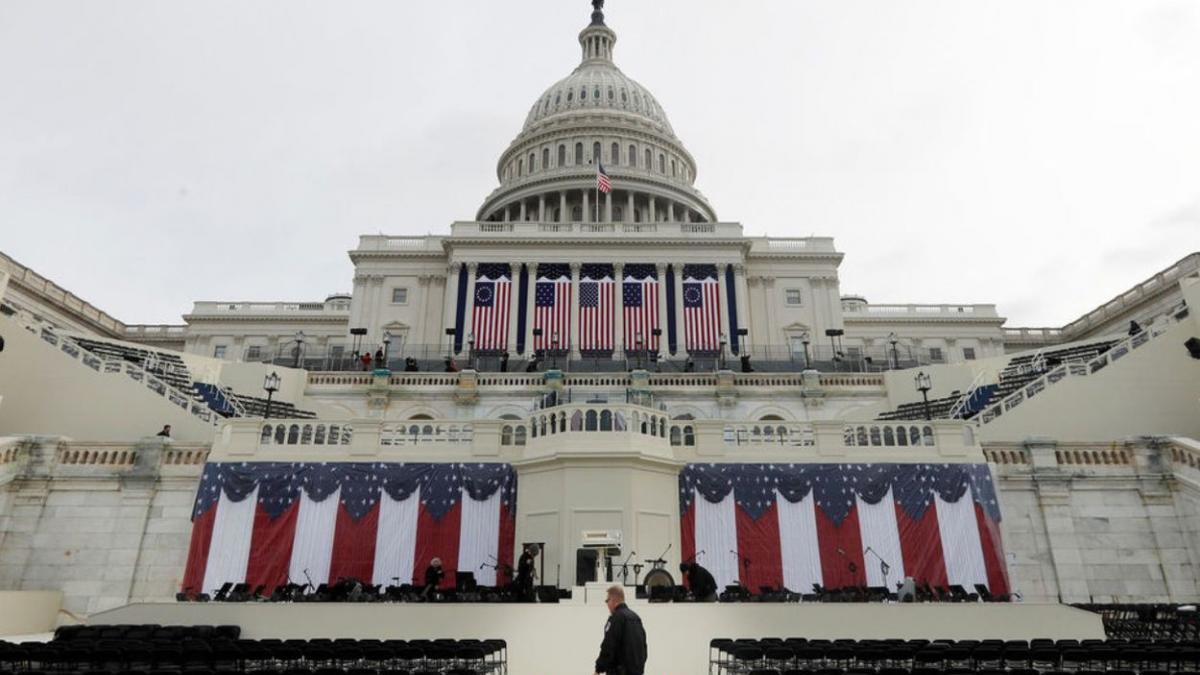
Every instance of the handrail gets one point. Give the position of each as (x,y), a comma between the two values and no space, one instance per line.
(1069,369)
(957,409)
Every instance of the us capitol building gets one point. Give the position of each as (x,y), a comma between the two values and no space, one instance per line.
(599,340)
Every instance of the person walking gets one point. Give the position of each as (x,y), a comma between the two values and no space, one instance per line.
(623,651)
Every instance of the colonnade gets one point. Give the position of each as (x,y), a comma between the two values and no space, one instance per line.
(728,328)
(629,207)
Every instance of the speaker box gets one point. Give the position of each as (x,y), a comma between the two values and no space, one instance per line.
(1193,347)
(585,565)
(547,594)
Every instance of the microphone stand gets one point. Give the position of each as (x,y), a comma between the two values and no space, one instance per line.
(625,570)
(884,567)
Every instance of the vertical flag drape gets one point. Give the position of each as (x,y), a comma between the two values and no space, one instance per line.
(837,525)
(639,291)
(265,523)
(552,307)
(493,302)
(596,303)
(701,308)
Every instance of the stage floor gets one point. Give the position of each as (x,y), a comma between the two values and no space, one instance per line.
(549,639)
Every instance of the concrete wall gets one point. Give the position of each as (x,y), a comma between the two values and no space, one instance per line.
(103,535)
(1079,530)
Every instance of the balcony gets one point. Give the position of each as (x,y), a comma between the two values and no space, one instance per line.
(576,231)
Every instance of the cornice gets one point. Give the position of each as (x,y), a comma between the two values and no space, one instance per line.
(261,318)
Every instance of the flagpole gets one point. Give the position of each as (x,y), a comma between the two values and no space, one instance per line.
(597,188)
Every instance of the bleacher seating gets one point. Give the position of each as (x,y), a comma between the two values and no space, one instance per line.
(793,656)
(171,369)
(201,650)
(1020,371)
(1149,621)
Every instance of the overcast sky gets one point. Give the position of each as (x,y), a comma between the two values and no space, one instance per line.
(1043,156)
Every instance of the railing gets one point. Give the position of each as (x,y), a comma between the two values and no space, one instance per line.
(145,331)
(1078,369)
(1118,305)
(261,308)
(118,457)
(66,299)
(374,242)
(966,311)
(534,228)
(1065,454)
(596,428)
(134,371)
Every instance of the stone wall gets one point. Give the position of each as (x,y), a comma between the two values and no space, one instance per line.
(1103,523)
(104,523)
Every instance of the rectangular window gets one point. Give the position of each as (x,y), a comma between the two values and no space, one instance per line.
(253,352)
(219,352)
(792,296)
(399,296)
(935,355)
(854,354)
(969,353)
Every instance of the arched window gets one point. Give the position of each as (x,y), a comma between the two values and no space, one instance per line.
(632,155)
(520,167)
(579,153)
(562,155)
(672,166)
(577,213)
(662,163)
(577,421)
(531,162)
(590,421)
(319,436)
(649,160)
(306,435)
(266,435)
(606,420)
(506,436)
(676,436)
(596,151)
(615,158)
(545,158)
(618,214)
(519,436)
(689,435)
(888,436)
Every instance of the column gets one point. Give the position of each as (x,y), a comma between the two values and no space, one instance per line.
(661,270)
(670,211)
(425,283)
(629,212)
(451,298)
(574,341)
(542,208)
(742,294)
(587,208)
(653,217)
(562,207)
(469,303)
(680,333)
(723,301)
(514,306)
(608,207)
(530,299)
(619,310)
(521,217)
(508,214)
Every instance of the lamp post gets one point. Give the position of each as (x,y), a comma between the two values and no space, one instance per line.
(387,343)
(471,350)
(450,343)
(639,347)
(299,340)
(358,334)
(892,339)
(833,334)
(721,357)
(271,385)
(806,339)
(924,384)
(554,349)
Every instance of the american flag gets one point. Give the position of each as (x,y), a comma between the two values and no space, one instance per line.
(596,308)
(841,525)
(266,522)
(603,184)
(493,301)
(552,307)
(640,292)
(701,308)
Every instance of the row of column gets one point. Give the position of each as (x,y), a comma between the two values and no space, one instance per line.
(740,289)
(521,211)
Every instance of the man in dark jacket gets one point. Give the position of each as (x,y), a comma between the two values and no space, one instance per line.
(623,651)
(700,581)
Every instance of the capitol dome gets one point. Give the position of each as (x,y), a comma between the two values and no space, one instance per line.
(596,115)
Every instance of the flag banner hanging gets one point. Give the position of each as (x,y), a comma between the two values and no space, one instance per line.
(701,309)
(552,307)
(268,523)
(838,525)
(596,303)
(493,302)
(640,296)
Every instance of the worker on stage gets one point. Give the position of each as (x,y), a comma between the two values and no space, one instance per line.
(700,581)
(623,651)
